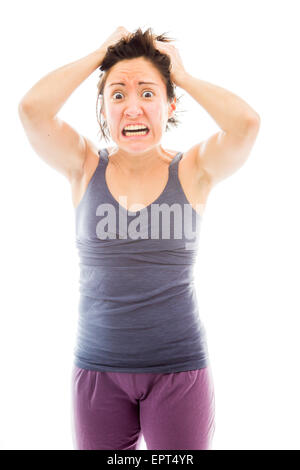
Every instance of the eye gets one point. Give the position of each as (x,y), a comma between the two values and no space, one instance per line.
(117,93)
(148,91)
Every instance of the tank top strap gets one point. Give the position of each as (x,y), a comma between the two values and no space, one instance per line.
(98,177)
(173,170)
(103,155)
(175,161)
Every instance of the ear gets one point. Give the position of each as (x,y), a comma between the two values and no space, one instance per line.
(172,107)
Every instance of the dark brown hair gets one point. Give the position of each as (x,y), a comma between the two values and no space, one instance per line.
(137,44)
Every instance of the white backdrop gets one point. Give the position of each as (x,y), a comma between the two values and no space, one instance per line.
(248,265)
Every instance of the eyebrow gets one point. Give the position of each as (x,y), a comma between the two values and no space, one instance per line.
(140,83)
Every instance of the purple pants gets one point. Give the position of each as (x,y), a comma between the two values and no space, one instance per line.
(112,410)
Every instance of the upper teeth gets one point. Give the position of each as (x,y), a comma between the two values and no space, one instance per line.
(134,127)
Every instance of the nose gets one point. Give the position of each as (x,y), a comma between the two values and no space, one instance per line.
(133,108)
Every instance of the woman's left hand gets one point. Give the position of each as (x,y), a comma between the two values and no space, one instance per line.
(177,71)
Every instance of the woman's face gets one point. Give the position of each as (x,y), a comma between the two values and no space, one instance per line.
(134,102)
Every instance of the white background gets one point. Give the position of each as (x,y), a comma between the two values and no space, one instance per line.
(248,265)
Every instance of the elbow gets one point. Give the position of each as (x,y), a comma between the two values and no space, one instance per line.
(24,107)
(22,111)
(250,125)
(253,121)
(28,110)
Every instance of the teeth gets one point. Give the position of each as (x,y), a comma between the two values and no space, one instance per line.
(134,127)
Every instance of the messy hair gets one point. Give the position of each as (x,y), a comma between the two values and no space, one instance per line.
(134,45)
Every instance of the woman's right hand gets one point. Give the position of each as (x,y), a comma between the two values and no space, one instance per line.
(118,34)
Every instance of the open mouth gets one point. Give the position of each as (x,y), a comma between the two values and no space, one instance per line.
(136,133)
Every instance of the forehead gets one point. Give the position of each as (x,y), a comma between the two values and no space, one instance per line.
(134,71)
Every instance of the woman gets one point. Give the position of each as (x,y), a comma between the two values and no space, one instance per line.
(141,359)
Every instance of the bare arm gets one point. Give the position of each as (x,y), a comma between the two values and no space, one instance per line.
(55,141)
(227,150)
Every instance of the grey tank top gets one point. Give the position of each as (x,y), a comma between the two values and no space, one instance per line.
(138,309)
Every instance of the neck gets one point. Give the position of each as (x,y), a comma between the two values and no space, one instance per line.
(138,163)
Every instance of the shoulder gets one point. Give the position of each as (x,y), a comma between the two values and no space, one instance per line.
(193,177)
(189,167)
(189,164)
(91,159)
